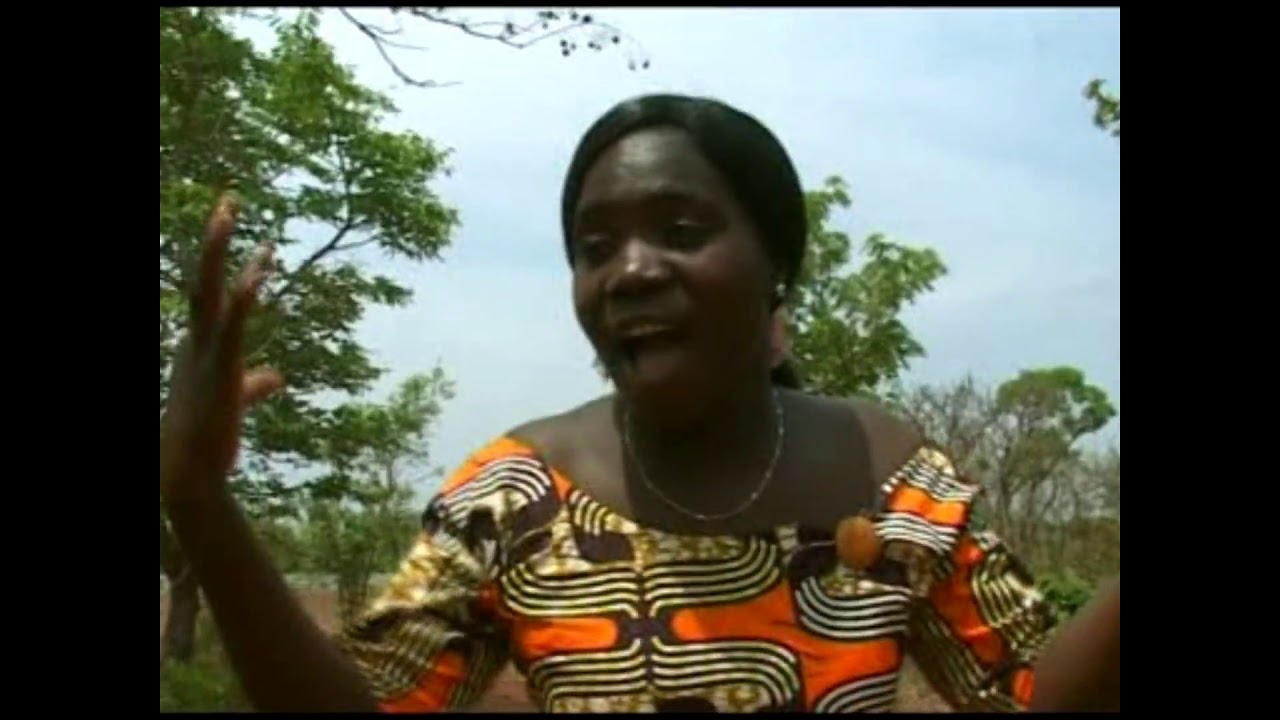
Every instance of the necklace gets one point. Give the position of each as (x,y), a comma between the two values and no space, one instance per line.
(704,517)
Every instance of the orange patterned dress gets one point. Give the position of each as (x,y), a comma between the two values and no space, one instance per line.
(602,615)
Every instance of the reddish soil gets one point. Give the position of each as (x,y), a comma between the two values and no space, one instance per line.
(508,692)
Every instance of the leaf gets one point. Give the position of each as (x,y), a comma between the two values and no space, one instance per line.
(844,322)
(303,143)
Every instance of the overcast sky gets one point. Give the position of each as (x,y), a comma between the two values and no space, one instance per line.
(962,130)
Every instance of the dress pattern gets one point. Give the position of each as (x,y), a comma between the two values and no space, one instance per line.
(600,614)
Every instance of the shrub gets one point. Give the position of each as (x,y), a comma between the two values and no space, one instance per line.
(207,683)
(1066,592)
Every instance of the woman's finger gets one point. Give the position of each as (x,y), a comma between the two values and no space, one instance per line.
(242,299)
(259,384)
(207,296)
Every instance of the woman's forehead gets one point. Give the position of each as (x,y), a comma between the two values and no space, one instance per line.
(658,162)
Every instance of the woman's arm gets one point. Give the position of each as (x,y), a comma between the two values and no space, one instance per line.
(431,642)
(977,631)
(1080,668)
(985,639)
(284,661)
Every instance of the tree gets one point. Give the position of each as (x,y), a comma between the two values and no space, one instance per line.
(1106,106)
(301,141)
(1085,537)
(958,417)
(1022,442)
(293,133)
(1043,413)
(361,522)
(847,334)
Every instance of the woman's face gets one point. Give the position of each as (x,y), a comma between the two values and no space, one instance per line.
(670,280)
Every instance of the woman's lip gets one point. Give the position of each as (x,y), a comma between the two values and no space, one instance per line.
(644,330)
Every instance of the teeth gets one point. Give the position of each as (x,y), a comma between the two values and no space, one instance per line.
(642,330)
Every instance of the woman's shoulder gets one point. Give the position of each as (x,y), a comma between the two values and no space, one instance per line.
(534,440)
(562,439)
(554,441)
(515,470)
(861,426)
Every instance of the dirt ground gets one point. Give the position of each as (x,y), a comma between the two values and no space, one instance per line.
(508,692)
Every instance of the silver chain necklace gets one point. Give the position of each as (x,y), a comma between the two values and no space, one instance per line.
(764,481)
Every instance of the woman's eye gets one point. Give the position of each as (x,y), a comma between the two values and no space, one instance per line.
(594,248)
(685,234)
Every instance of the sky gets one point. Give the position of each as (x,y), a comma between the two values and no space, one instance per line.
(962,130)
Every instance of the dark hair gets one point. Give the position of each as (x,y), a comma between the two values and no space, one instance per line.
(752,161)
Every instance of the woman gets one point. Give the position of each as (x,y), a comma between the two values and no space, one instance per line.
(668,547)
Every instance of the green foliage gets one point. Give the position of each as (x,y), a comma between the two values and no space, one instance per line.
(301,142)
(352,542)
(206,683)
(360,519)
(1055,501)
(283,540)
(291,131)
(1045,412)
(845,327)
(1065,592)
(1106,106)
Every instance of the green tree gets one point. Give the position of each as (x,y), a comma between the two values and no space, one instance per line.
(1022,442)
(1056,499)
(1043,413)
(845,323)
(1106,106)
(360,520)
(301,142)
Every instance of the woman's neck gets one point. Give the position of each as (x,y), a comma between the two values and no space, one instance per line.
(734,437)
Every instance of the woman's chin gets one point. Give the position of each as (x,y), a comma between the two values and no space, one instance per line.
(668,398)
(656,370)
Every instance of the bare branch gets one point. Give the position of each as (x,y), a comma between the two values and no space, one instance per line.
(381,31)
(380,41)
(549,24)
(380,35)
(509,35)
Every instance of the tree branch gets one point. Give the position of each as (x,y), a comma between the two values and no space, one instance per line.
(356,244)
(378,36)
(509,36)
(312,259)
(507,33)
(347,226)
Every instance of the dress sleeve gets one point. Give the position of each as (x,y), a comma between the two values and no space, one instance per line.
(433,640)
(978,621)
(979,630)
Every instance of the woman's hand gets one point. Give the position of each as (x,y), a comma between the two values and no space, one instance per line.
(210,390)
(1080,669)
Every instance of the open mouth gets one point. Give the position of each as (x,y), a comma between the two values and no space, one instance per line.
(641,343)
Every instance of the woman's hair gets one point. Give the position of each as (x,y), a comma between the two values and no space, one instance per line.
(751,160)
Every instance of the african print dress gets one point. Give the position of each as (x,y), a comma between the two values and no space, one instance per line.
(602,615)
